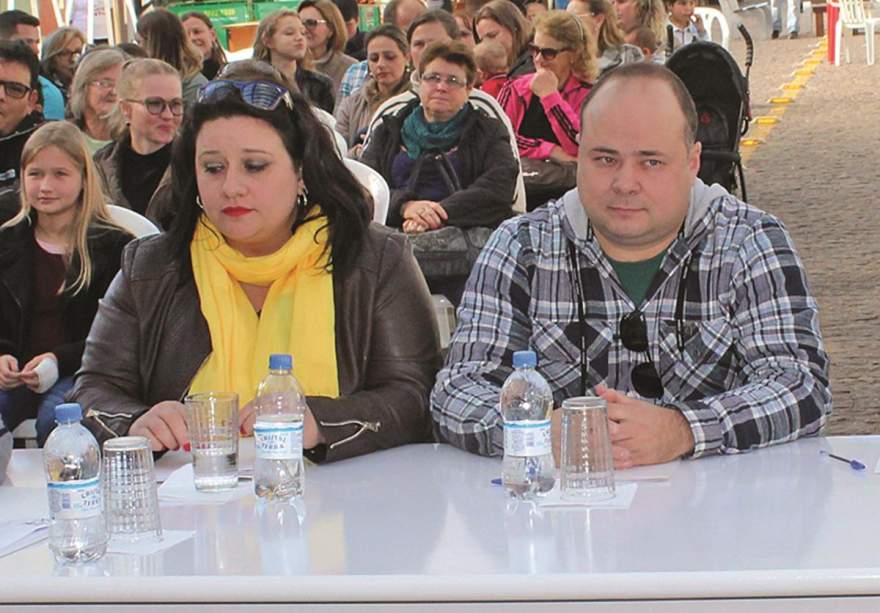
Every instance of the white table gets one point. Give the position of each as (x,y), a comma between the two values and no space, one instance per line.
(779,529)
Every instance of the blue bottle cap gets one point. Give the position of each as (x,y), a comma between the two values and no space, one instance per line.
(68,412)
(524,359)
(280,361)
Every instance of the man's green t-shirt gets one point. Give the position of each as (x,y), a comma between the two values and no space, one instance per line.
(636,277)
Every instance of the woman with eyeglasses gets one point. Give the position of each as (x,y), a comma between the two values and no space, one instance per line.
(60,53)
(388,76)
(281,41)
(58,255)
(502,22)
(162,36)
(271,251)
(200,30)
(544,107)
(134,168)
(601,22)
(447,164)
(93,95)
(326,35)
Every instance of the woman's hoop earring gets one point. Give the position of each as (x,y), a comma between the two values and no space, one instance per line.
(302,200)
(199,202)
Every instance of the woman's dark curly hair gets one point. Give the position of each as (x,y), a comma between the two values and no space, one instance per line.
(330,184)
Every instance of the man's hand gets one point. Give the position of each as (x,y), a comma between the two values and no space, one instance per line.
(426,213)
(164,425)
(10,377)
(544,83)
(643,433)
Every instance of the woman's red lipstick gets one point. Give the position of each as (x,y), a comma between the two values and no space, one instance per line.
(235,211)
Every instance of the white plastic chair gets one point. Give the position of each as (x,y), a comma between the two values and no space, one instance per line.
(710,16)
(375,184)
(132,221)
(444,312)
(854,16)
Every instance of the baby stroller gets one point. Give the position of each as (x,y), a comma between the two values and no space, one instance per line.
(721,94)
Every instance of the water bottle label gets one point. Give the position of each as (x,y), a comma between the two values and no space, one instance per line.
(276,441)
(79,499)
(526,439)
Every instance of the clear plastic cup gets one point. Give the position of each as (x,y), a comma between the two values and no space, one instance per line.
(212,420)
(131,506)
(587,471)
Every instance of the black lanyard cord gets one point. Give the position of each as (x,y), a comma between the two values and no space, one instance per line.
(579,297)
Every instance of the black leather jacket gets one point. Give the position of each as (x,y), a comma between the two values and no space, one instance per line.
(150,339)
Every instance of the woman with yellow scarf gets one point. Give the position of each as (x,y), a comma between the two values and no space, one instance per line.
(271,251)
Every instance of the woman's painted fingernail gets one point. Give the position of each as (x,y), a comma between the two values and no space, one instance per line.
(187,447)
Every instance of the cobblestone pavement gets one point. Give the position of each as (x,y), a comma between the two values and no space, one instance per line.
(818,172)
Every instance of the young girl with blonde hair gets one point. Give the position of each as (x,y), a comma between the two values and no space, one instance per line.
(57,258)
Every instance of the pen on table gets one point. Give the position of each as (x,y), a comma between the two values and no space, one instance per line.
(854,463)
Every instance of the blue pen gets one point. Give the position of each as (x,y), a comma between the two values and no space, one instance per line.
(854,463)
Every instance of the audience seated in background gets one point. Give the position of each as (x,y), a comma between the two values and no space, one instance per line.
(632,14)
(59,56)
(534,9)
(502,22)
(18,25)
(466,27)
(200,30)
(19,69)
(644,39)
(93,96)
(686,309)
(326,37)
(163,38)
(447,164)
(355,46)
(281,41)
(134,168)
(543,107)
(601,22)
(686,25)
(57,258)
(271,251)
(387,54)
(492,67)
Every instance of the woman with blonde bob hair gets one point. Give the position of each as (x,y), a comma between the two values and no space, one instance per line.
(282,42)
(57,257)
(544,107)
(599,18)
(93,97)
(326,36)
(60,52)
(163,37)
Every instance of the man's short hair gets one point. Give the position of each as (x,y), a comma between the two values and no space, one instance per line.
(349,9)
(10,20)
(649,70)
(18,51)
(435,16)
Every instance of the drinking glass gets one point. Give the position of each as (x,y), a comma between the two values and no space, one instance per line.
(131,506)
(212,420)
(587,471)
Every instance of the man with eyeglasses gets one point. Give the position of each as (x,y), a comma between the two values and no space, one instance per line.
(18,102)
(686,309)
(18,25)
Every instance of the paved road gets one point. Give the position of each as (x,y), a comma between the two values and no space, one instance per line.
(818,172)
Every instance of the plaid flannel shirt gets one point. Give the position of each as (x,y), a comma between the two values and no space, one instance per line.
(747,367)
(354,77)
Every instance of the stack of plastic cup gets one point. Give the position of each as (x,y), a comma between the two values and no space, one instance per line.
(587,471)
(212,421)
(131,504)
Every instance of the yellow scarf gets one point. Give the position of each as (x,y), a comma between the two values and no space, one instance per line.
(297,317)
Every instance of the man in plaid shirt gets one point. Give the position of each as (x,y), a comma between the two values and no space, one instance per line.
(689,311)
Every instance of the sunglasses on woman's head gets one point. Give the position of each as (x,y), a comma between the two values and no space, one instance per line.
(633,333)
(548,53)
(264,95)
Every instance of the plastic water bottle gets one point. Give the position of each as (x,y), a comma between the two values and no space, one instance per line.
(72,460)
(278,433)
(526,401)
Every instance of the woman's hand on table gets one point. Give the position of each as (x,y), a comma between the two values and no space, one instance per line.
(544,83)
(423,215)
(164,425)
(311,433)
(10,377)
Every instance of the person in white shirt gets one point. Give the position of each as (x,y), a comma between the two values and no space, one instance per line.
(686,26)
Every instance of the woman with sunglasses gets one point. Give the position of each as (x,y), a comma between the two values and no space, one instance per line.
(93,97)
(135,168)
(389,75)
(600,20)
(544,107)
(271,251)
(502,22)
(200,30)
(60,53)
(447,164)
(163,37)
(326,35)
(58,255)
